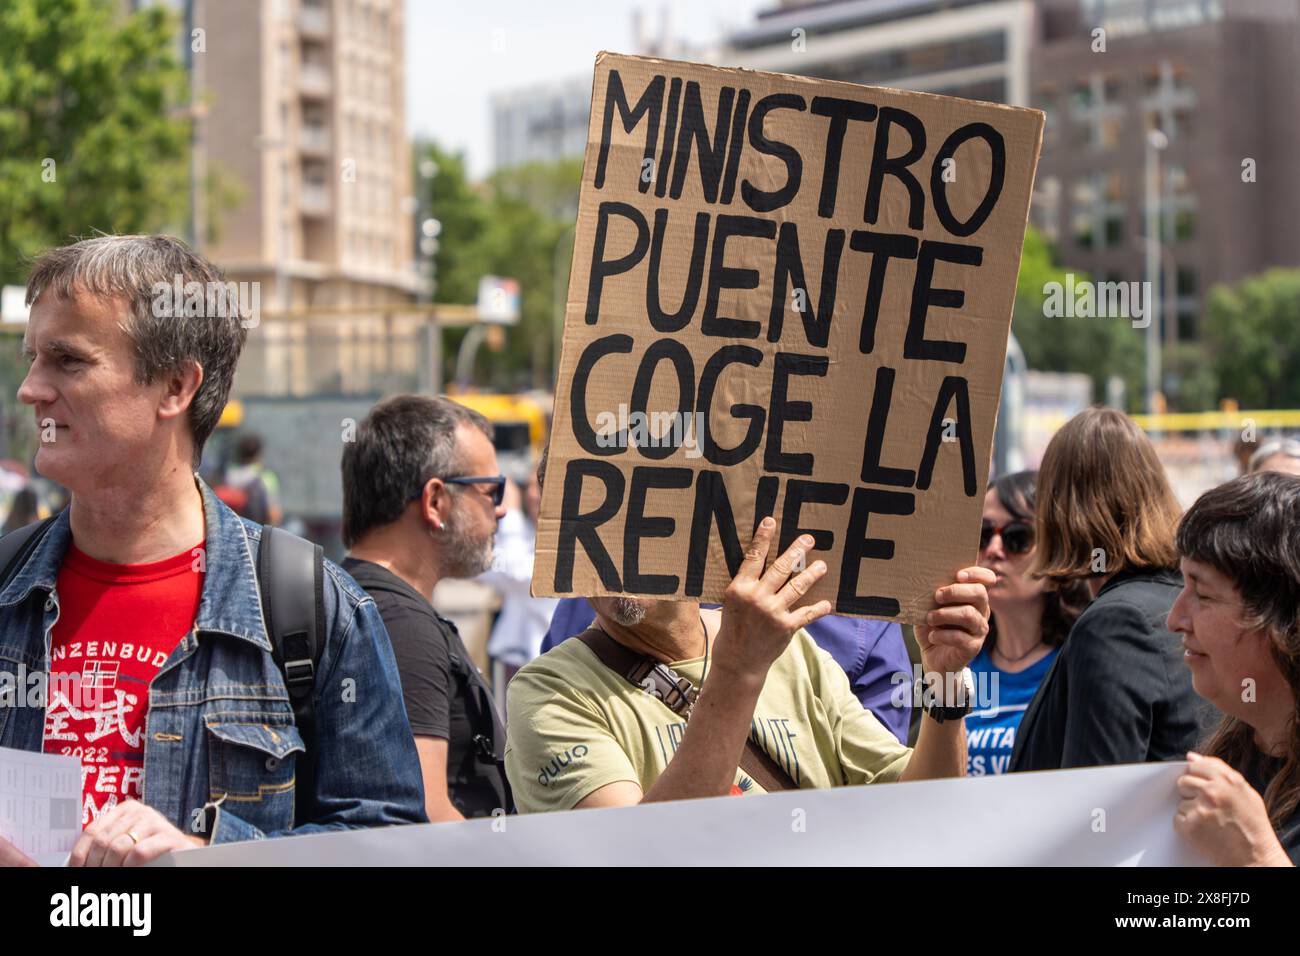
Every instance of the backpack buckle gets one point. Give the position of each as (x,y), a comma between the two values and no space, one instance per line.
(300,671)
(297,673)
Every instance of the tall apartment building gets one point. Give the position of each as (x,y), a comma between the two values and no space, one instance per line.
(1219,79)
(301,107)
(306,113)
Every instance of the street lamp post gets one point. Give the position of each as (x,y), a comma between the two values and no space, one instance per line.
(1156,141)
(430,228)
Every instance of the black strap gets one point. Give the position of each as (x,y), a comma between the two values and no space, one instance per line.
(17,546)
(290,577)
(679,694)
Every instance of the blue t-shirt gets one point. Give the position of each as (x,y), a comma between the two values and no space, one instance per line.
(1000,701)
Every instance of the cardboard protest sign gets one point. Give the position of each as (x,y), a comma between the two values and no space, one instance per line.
(790,297)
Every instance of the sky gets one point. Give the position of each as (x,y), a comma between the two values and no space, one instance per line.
(459,52)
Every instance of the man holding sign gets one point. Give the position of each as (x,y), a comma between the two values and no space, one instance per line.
(613,718)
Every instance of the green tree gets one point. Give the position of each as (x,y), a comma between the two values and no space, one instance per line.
(93,135)
(462,211)
(1253,330)
(1190,377)
(517,224)
(1099,347)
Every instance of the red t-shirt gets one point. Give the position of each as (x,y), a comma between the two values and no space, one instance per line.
(117,625)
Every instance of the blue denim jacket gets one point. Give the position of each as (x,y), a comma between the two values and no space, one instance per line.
(220,727)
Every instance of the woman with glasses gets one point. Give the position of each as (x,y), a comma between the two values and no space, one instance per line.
(1119,690)
(1030,620)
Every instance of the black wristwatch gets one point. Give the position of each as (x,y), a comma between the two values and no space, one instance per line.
(939,712)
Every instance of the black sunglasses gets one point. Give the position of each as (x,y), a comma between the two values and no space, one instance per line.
(1017,536)
(498,483)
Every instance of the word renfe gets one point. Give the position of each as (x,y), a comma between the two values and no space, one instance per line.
(819,276)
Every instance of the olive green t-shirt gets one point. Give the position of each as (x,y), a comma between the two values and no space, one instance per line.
(575,726)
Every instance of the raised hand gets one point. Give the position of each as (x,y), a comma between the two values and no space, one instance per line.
(757,620)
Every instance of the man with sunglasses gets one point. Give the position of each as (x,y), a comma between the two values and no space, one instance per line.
(421,500)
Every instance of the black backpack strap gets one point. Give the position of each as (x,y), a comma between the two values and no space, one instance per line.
(17,546)
(290,576)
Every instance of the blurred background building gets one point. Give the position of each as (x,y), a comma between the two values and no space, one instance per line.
(972,48)
(1174,66)
(543,123)
(1178,68)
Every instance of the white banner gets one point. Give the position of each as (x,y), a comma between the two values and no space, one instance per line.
(1102,816)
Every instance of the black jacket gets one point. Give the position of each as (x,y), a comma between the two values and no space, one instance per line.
(1119,690)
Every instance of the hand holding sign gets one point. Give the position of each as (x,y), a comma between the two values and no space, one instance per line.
(954,632)
(757,620)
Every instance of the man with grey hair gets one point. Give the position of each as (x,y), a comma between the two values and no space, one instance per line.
(421,501)
(139,607)
(1276,454)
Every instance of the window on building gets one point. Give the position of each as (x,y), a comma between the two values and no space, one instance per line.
(1098,211)
(1097,112)
(1169,100)
(1179,203)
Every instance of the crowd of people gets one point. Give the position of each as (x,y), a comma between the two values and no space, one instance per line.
(1115,628)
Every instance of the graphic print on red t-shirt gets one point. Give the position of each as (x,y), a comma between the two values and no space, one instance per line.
(117,625)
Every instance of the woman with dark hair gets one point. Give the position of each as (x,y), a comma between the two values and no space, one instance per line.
(1118,691)
(1030,620)
(1239,617)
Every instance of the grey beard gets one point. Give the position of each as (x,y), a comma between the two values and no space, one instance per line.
(627,612)
(465,556)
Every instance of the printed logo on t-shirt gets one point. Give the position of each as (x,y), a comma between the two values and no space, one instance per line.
(114,764)
(742,788)
(773,734)
(117,626)
(96,651)
(988,750)
(555,766)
